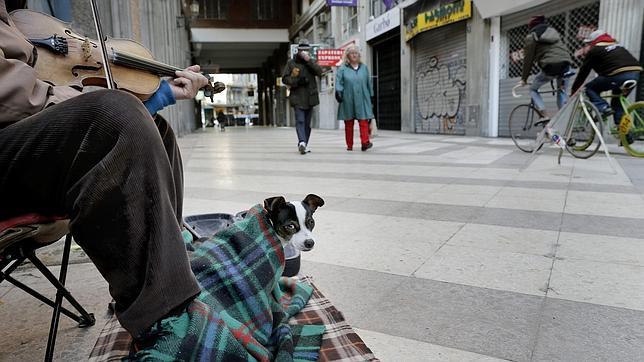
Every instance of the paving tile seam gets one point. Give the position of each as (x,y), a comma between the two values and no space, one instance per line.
(408,178)
(542,306)
(413,274)
(368,161)
(476,214)
(542,298)
(402,277)
(442,181)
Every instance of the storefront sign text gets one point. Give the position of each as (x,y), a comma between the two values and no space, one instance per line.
(330,57)
(440,15)
(383,23)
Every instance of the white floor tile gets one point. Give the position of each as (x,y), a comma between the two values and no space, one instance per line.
(601,248)
(393,348)
(617,285)
(521,273)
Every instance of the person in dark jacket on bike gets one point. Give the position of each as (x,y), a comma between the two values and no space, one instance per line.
(543,45)
(614,65)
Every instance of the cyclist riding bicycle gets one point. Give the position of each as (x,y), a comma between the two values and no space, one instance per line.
(543,45)
(614,65)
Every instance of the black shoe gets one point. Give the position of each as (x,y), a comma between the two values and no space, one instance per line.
(607,112)
(542,122)
(367,146)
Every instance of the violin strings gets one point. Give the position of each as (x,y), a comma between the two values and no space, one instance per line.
(143,64)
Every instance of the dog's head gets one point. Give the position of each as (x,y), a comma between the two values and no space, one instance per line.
(293,221)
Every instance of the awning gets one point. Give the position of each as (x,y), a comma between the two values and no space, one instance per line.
(490,8)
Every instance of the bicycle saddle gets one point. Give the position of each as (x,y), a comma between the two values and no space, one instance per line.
(628,85)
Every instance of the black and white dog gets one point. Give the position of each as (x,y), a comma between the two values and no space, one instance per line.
(293,221)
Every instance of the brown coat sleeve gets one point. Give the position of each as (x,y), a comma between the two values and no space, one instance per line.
(21,93)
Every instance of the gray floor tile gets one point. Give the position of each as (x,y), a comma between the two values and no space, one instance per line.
(494,323)
(602,225)
(519,218)
(355,292)
(573,332)
(490,322)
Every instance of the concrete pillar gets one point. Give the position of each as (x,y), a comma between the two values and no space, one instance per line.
(490,127)
(478,57)
(407,82)
(623,20)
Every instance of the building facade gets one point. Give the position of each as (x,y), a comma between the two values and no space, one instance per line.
(460,59)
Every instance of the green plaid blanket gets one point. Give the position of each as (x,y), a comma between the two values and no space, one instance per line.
(243,309)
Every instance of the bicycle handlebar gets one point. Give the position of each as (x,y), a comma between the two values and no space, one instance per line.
(514,91)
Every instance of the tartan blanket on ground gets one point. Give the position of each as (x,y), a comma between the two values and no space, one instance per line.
(339,342)
(243,309)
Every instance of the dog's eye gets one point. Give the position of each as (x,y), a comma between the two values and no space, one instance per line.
(310,223)
(289,227)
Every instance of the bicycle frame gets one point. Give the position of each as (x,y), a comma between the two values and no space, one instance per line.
(544,135)
(582,99)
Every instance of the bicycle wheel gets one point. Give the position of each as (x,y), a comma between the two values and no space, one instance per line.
(522,129)
(631,129)
(583,141)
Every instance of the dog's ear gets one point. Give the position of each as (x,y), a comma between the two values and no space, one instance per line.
(314,201)
(272,204)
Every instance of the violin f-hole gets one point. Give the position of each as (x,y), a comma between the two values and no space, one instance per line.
(76,68)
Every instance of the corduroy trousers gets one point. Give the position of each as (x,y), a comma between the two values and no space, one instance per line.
(116,172)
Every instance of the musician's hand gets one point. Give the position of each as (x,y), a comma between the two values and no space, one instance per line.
(188,83)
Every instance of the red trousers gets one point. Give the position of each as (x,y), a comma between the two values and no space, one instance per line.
(364,131)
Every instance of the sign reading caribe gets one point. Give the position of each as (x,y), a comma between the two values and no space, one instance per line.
(439,15)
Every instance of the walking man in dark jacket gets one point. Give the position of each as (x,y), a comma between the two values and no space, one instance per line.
(614,65)
(299,75)
(543,45)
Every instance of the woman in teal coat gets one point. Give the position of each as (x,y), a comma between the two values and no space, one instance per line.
(353,91)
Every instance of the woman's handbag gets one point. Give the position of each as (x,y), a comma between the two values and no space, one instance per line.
(373,128)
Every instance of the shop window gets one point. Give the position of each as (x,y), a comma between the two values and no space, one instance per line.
(572,25)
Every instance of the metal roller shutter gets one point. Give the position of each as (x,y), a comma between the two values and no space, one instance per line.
(440,68)
(569,18)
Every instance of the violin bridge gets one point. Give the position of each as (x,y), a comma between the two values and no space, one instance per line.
(87,49)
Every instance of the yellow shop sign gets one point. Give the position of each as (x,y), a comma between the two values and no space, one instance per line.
(442,14)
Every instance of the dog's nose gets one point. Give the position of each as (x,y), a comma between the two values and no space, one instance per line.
(309,243)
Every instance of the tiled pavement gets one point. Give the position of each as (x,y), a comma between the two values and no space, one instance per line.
(436,248)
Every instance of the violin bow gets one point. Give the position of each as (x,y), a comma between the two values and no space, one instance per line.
(101,38)
(210,90)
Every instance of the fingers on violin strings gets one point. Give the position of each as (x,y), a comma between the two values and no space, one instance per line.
(194,68)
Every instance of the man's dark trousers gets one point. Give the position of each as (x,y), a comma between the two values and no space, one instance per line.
(612,83)
(102,161)
(303,124)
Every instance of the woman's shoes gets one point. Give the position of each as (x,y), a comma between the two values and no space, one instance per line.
(349,148)
(366,146)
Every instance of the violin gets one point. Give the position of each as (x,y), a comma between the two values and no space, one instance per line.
(65,57)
